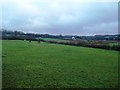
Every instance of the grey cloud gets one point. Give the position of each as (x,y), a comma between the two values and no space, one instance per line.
(63,18)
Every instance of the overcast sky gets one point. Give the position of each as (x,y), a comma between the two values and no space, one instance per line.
(61,16)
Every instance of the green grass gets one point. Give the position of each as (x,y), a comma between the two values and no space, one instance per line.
(53,39)
(39,65)
(116,44)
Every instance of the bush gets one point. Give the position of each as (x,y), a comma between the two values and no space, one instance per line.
(92,44)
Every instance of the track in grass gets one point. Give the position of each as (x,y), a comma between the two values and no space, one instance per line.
(39,65)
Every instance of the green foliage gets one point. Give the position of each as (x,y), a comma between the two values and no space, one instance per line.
(39,65)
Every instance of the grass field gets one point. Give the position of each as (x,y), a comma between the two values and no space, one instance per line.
(53,39)
(116,44)
(50,39)
(43,65)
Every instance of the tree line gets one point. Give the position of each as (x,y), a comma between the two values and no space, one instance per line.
(14,35)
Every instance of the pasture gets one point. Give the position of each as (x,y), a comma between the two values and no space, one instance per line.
(44,65)
(51,39)
(54,39)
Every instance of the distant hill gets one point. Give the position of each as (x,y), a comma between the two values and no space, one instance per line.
(7,34)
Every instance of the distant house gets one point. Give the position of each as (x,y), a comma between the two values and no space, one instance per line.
(73,38)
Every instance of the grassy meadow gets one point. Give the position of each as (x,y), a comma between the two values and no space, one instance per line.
(44,65)
(52,39)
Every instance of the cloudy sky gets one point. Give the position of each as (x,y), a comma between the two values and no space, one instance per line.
(87,17)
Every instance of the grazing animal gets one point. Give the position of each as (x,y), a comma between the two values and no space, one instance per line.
(29,40)
(38,41)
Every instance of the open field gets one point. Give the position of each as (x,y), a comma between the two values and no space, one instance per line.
(116,44)
(39,65)
(53,39)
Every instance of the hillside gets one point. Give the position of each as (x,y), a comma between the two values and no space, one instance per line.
(39,65)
